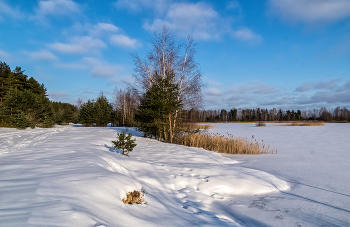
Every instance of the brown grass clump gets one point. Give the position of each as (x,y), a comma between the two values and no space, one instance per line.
(222,144)
(196,126)
(135,197)
(260,124)
(304,124)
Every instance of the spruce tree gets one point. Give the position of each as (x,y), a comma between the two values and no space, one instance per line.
(125,143)
(158,106)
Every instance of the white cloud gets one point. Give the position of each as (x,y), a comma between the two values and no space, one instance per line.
(4,56)
(41,55)
(57,95)
(197,19)
(100,68)
(106,27)
(7,11)
(123,41)
(97,68)
(213,92)
(56,7)
(232,5)
(101,29)
(72,66)
(79,45)
(311,11)
(138,5)
(245,34)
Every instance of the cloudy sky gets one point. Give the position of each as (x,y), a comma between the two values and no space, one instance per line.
(293,54)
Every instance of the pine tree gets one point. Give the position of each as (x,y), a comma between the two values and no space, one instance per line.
(103,111)
(158,107)
(125,143)
(87,113)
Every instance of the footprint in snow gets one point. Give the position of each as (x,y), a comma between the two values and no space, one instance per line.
(218,196)
(181,195)
(188,169)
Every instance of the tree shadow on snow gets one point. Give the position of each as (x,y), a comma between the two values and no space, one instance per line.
(113,150)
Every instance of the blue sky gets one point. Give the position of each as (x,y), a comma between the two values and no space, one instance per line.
(290,54)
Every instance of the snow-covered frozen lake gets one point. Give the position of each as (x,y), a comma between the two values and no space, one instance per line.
(314,160)
(71,176)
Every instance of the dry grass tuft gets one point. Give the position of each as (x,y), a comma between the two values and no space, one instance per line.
(196,126)
(304,124)
(137,197)
(260,124)
(222,144)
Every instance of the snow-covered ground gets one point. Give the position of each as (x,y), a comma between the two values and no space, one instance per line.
(71,176)
(314,160)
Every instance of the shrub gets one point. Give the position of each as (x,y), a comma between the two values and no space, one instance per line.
(260,124)
(125,143)
(137,197)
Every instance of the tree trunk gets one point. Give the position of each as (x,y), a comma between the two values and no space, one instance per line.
(171,132)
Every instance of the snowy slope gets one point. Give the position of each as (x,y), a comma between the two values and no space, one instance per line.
(71,176)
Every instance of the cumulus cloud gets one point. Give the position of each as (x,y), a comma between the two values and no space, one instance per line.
(201,21)
(198,19)
(55,8)
(123,41)
(102,28)
(310,11)
(101,69)
(6,11)
(96,67)
(41,55)
(213,92)
(233,5)
(138,5)
(4,55)
(331,84)
(304,87)
(324,85)
(57,95)
(79,45)
(330,93)
(245,34)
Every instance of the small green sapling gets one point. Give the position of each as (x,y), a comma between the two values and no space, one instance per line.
(125,143)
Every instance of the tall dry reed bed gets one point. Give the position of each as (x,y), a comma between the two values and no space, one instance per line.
(304,124)
(222,144)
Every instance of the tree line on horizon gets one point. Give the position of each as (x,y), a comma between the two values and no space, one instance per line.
(253,115)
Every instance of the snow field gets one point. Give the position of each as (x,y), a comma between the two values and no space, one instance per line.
(70,176)
(314,160)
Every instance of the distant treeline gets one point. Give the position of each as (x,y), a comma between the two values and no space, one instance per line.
(248,115)
(24,102)
(122,111)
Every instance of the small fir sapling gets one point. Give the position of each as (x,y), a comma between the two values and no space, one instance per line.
(125,143)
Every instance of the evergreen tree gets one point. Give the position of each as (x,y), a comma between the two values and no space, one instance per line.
(125,143)
(87,113)
(103,111)
(158,106)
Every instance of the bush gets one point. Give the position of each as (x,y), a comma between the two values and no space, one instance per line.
(135,197)
(260,124)
(125,143)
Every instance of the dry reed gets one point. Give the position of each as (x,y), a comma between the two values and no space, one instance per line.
(222,144)
(304,124)
(134,197)
(196,126)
